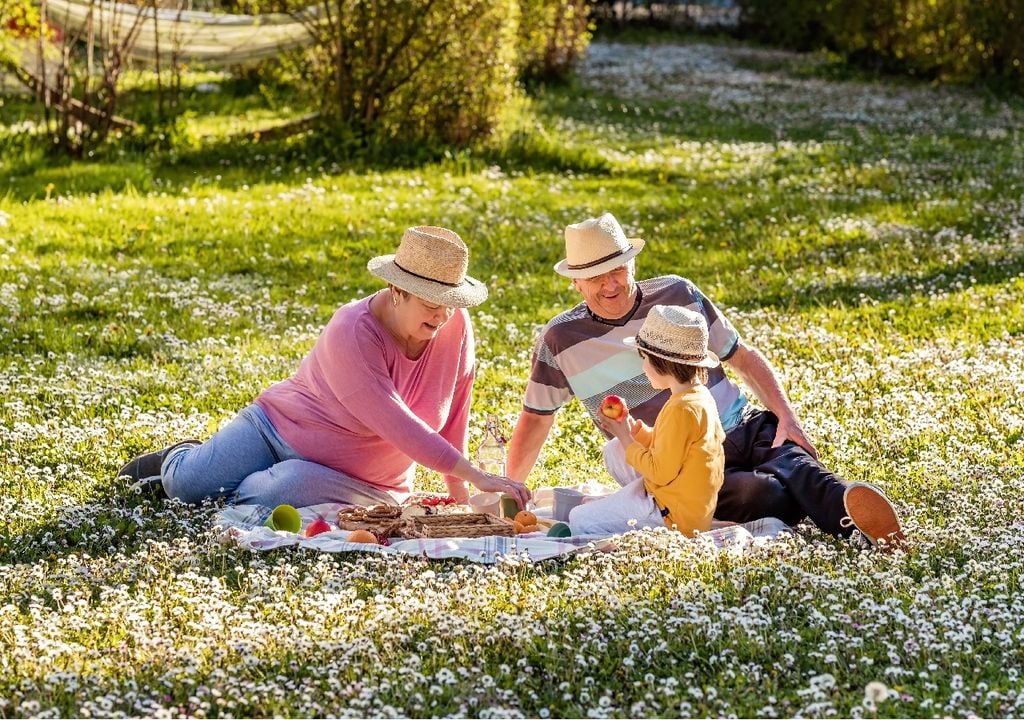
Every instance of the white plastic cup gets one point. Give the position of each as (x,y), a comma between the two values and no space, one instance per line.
(565,500)
(486,502)
(543,497)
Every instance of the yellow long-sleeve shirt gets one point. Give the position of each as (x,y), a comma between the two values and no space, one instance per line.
(681,459)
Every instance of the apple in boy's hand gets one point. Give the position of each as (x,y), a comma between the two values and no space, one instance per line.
(614,407)
(317,526)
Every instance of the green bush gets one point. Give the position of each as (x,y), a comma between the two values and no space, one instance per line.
(413,69)
(953,40)
(962,41)
(552,36)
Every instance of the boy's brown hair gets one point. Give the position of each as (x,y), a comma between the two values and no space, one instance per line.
(682,373)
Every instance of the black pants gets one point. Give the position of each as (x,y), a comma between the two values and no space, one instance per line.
(783,482)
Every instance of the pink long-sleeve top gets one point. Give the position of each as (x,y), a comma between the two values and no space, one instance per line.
(359,405)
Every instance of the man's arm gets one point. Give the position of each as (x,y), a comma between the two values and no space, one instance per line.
(758,374)
(527,439)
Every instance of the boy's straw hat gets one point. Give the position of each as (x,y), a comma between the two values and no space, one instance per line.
(595,246)
(431,263)
(675,333)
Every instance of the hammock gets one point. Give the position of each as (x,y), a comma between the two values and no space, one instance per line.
(184,35)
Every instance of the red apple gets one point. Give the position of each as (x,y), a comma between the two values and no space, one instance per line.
(317,526)
(614,407)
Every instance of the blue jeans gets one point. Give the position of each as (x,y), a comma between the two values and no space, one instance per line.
(250,463)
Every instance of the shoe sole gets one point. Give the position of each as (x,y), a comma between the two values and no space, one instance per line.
(873,514)
(148,486)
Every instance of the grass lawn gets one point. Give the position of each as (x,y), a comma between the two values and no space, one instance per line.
(868,237)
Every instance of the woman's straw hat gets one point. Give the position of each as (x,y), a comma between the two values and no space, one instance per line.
(431,263)
(675,333)
(595,246)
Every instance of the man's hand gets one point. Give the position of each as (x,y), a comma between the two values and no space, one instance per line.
(789,429)
(758,374)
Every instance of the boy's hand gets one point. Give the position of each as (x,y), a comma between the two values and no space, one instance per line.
(621,428)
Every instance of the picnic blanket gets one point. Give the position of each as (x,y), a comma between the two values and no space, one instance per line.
(243,524)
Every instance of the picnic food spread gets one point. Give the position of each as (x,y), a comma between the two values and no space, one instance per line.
(381,520)
(388,521)
(456,525)
(421,516)
(428,517)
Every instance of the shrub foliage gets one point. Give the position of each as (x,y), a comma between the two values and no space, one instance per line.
(944,39)
(552,36)
(424,71)
(413,69)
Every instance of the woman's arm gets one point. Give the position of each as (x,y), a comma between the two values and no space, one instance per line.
(349,364)
(361,379)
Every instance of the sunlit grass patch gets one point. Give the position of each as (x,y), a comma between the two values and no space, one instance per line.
(866,236)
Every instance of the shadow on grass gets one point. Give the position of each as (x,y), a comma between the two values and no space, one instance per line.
(146,163)
(984,272)
(334,152)
(58,177)
(159,159)
(236,163)
(111,518)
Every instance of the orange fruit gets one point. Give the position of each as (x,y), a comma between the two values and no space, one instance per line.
(526,517)
(362,536)
(518,526)
(530,528)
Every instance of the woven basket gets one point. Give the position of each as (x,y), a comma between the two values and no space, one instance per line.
(381,520)
(467,525)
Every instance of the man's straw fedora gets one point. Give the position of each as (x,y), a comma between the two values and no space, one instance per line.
(595,246)
(431,263)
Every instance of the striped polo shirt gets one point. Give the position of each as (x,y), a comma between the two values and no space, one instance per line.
(579,354)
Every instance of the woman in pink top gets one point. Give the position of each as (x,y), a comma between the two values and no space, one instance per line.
(386,387)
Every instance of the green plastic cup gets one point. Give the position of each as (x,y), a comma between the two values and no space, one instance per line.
(559,529)
(509,506)
(284,517)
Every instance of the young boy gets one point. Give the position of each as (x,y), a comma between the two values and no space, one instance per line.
(680,459)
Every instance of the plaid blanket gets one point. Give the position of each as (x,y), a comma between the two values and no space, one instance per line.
(243,524)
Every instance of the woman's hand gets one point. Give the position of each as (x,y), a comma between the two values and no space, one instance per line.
(497,483)
(486,482)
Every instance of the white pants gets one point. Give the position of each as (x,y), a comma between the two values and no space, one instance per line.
(615,462)
(612,514)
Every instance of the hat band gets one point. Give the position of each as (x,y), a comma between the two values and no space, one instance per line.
(606,258)
(675,356)
(424,277)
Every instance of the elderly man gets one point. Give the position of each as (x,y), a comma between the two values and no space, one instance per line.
(771,467)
